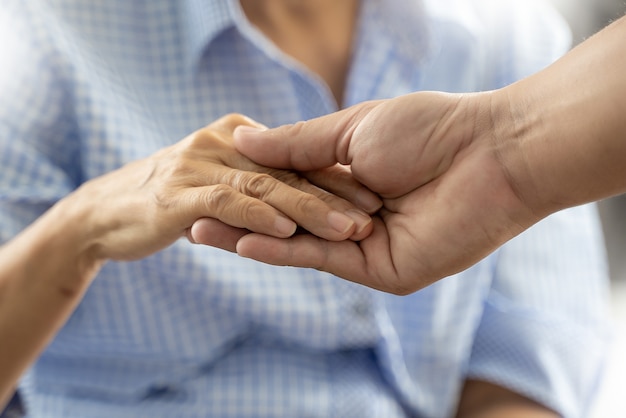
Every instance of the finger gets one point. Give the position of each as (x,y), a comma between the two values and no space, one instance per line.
(316,210)
(361,218)
(369,263)
(342,258)
(212,232)
(310,145)
(338,180)
(305,203)
(237,210)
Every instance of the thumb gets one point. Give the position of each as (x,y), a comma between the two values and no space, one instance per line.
(307,145)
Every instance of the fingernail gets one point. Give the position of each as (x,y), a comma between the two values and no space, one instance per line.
(340,222)
(368,200)
(360,218)
(285,226)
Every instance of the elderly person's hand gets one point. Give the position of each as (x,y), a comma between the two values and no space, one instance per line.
(148,204)
(144,207)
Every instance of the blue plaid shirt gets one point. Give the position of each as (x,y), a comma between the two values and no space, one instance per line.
(89,85)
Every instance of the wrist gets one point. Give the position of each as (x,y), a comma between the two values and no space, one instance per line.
(560,131)
(513,130)
(504,127)
(46,267)
(61,242)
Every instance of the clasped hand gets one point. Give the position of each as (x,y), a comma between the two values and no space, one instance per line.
(436,161)
(429,165)
(148,204)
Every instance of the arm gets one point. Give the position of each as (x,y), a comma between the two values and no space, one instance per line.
(562,140)
(43,274)
(142,208)
(481,399)
(548,142)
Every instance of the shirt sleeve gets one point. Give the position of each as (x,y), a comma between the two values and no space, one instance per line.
(38,151)
(544,330)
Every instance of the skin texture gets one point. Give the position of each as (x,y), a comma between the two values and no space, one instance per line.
(142,208)
(316,33)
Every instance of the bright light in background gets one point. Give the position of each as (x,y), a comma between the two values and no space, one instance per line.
(13,52)
(588,16)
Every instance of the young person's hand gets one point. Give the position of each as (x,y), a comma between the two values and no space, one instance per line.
(447,198)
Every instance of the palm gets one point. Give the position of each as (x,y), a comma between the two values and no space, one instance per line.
(394,154)
(435,221)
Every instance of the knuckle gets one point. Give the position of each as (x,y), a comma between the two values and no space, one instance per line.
(231,120)
(226,204)
(250,212)
(218,196)
(234,118)
(202,139)
(200,135)
(289,177)
(305,203)
(262,185)
(259,184)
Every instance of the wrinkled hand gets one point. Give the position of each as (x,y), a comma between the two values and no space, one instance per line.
(148,204)
(433,157)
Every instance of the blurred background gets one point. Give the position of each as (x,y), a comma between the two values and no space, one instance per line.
(588,16)
(585,18)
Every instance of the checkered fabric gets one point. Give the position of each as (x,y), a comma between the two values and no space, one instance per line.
(89,85)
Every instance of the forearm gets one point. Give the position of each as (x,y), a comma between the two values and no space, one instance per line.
(43,274)
(568,126)
(510,411)
(481,399)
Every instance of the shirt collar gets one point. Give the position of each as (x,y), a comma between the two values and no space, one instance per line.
(202,21)
(404,21)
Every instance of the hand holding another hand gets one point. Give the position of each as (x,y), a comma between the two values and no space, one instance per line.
(148,204)
(435,161)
